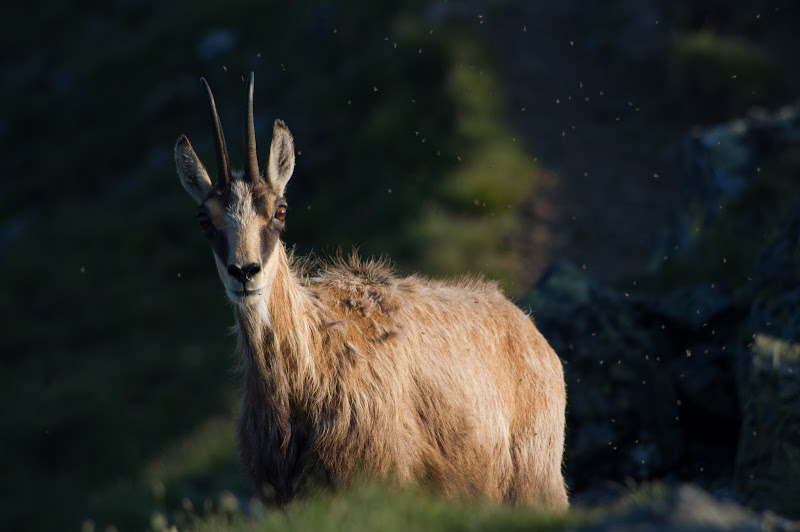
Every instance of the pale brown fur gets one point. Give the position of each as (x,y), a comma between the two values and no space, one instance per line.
(351,369)
(448,381)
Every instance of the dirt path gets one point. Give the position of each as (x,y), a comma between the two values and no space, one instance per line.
(587,115)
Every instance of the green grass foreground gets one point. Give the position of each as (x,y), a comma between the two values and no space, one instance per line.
(375,506)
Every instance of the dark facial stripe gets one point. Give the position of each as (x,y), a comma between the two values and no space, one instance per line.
(269,237)
(219,243)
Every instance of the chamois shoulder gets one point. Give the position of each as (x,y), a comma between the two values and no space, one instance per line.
(367,287)
(373,284)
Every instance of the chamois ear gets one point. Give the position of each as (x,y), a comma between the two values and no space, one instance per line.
(193,174)
(281,157)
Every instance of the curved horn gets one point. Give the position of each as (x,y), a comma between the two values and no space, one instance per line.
(223,164)
(251,158)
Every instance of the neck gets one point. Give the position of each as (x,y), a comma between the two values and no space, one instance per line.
(275,342)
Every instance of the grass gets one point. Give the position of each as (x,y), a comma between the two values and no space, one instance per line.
(375,506)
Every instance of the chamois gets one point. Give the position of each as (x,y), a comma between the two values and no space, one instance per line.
(351,369)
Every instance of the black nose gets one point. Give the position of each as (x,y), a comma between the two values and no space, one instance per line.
(245,273)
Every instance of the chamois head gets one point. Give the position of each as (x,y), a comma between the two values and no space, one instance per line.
(243,213)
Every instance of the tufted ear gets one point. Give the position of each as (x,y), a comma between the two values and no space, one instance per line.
(193,174)
(281,158)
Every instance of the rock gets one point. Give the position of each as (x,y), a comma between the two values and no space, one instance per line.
(687,507)
(622,407)
(701,383)
(776,278)
(691,307)
(720,162)
(768,456)
(651,384)
(658,386)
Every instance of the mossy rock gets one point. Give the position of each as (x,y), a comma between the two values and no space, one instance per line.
(622,404)
(768,457)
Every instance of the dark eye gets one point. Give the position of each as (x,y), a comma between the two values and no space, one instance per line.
(205,224)
(280,213)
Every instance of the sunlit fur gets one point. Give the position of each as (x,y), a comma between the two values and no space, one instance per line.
(444,381)
(349,369)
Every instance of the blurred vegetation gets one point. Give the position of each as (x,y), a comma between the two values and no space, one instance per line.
(116,357)
(369,506)
(725,73)
(727,57)
(115,345)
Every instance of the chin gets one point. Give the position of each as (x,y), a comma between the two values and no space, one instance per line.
(243,297)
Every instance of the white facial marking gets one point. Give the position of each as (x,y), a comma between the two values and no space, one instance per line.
(243,231)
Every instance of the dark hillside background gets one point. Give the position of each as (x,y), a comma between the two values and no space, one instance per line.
(455,137)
